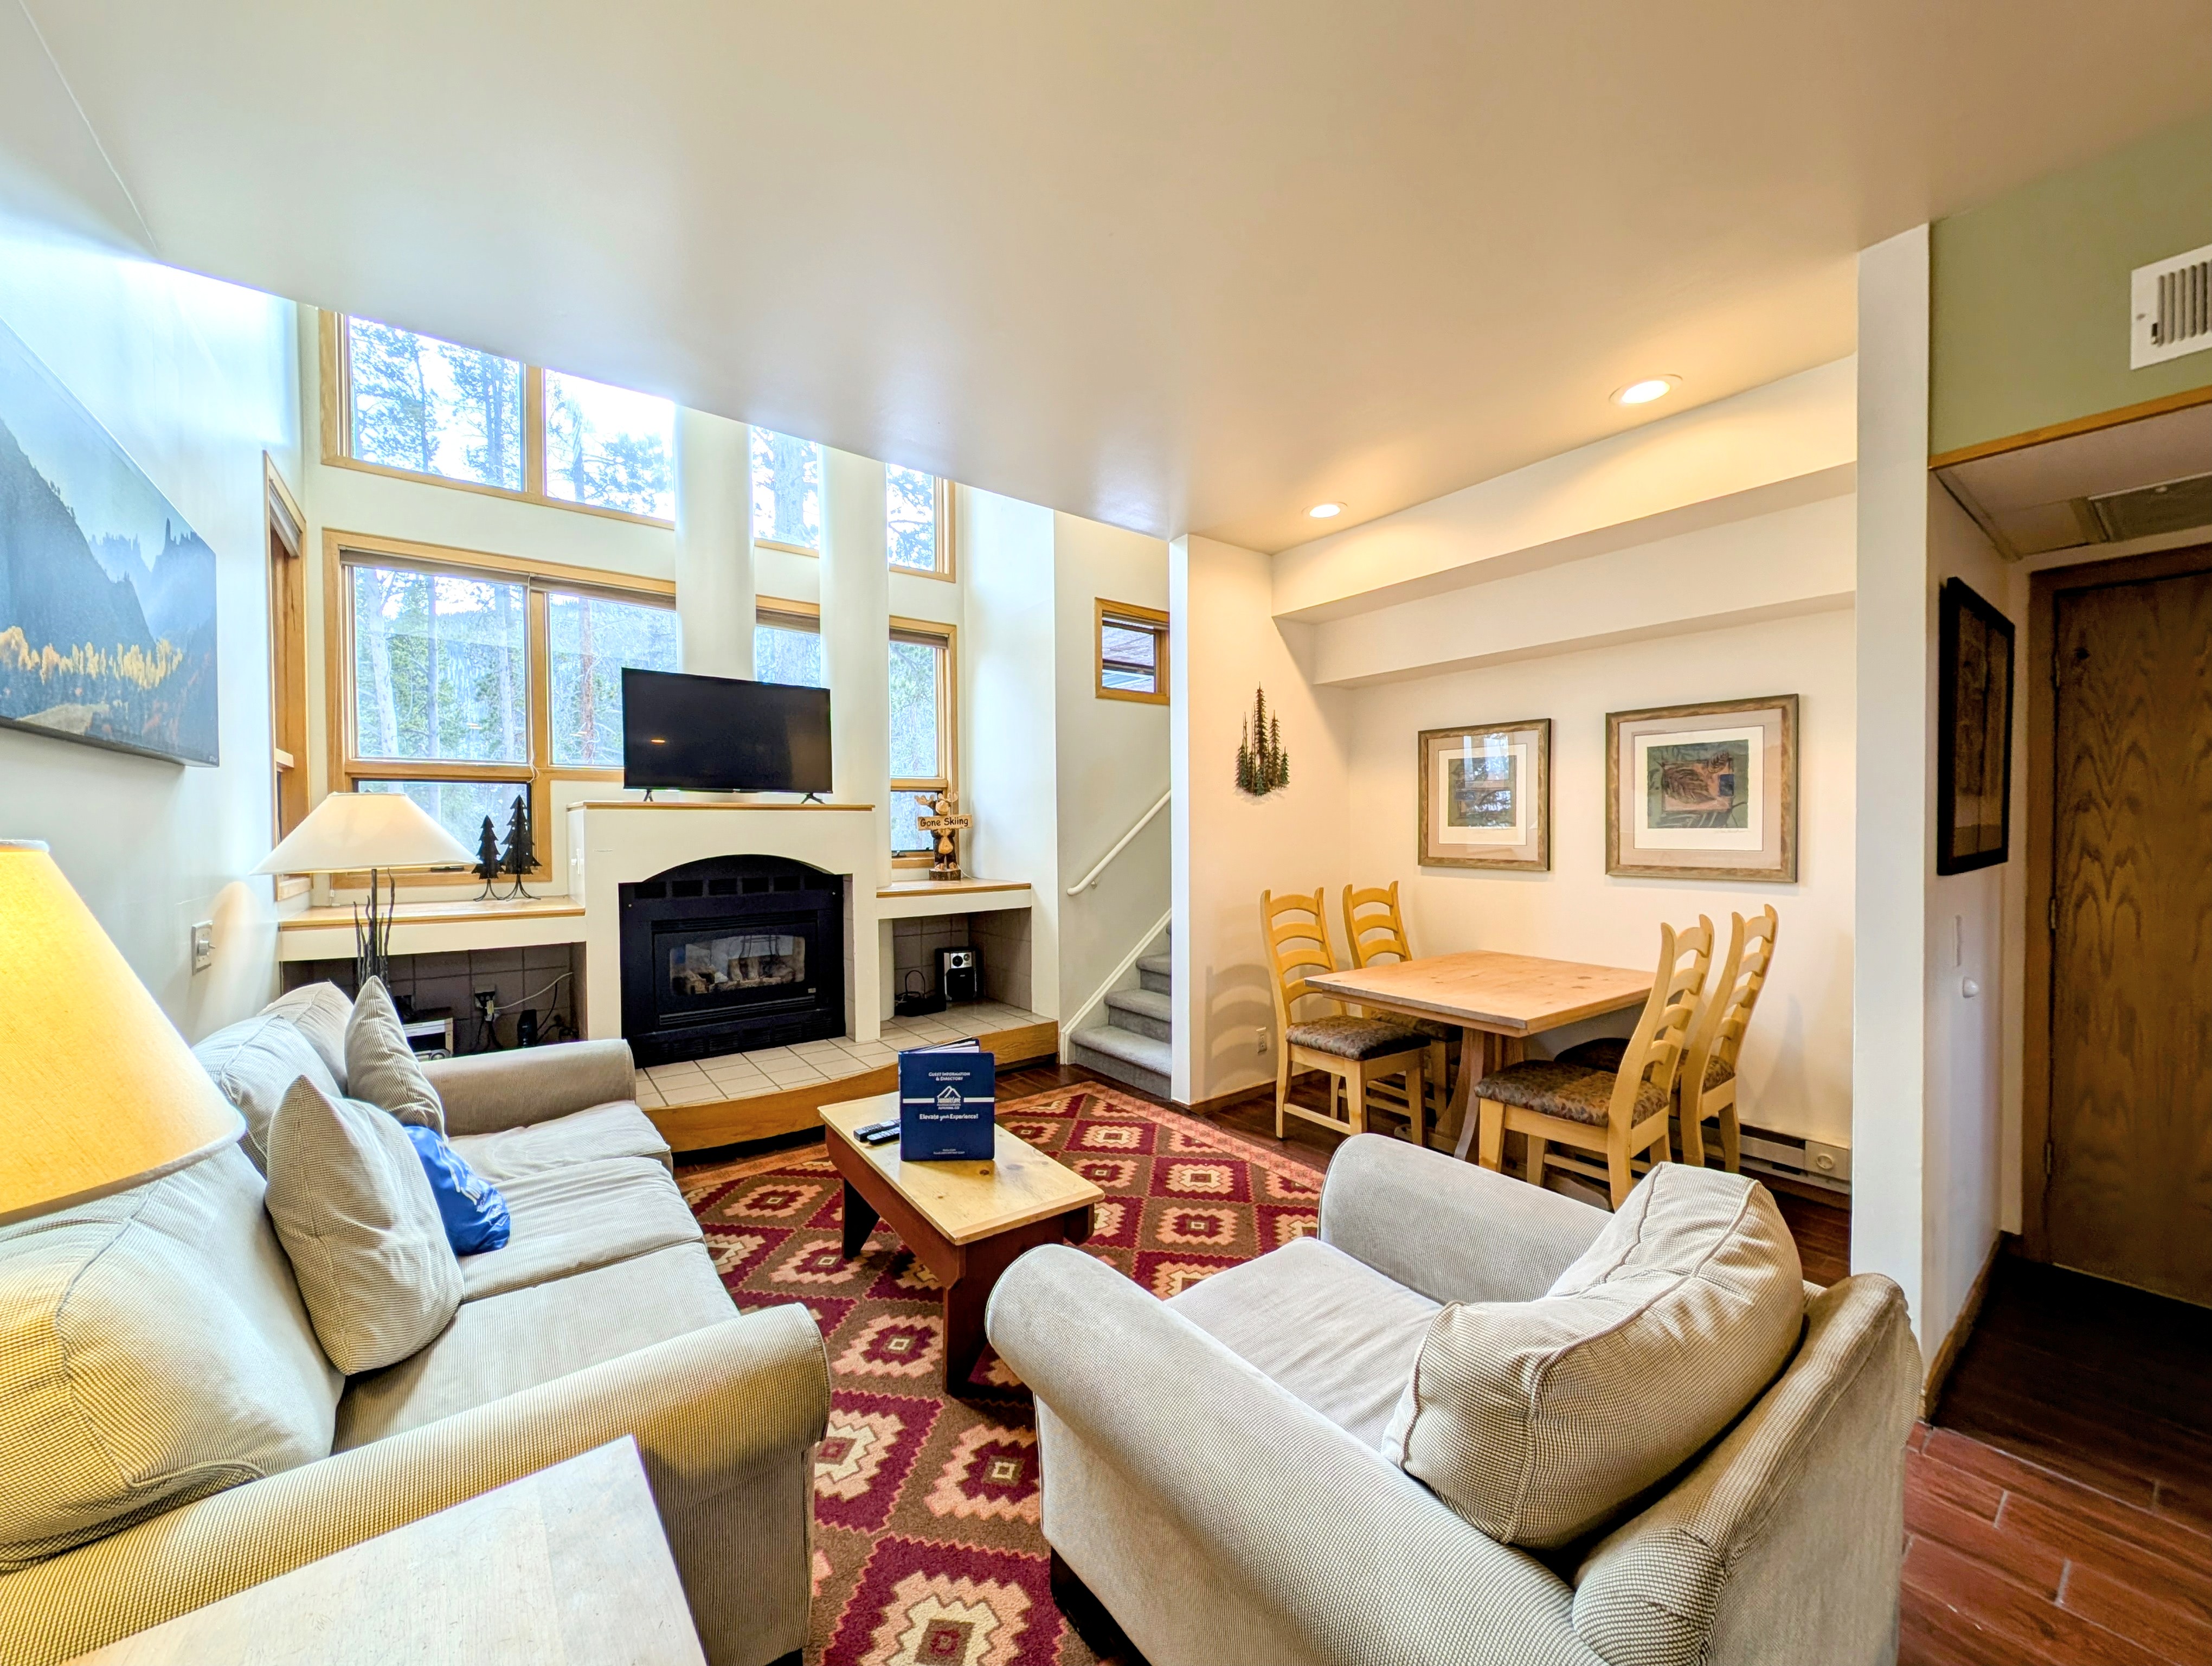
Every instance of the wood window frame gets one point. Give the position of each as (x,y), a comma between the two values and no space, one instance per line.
(342,550)
(1130,615)
(947,637)
(288,660)
(338,436)
(944,544)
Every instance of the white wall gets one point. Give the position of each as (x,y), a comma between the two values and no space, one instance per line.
(1228,847)
(1796,1068)
(1929,1061)
(1113,758)
(195,380)
(1007,714)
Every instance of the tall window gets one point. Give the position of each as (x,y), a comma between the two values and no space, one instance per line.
(1132,653)
(787,644)
(922,728)
(787,492)
(468,680)
(916,513)
(407,404)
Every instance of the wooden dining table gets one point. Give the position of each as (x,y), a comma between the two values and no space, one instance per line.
(1496,1000)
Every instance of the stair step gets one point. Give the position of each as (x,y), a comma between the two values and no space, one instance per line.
(1156,971)
(1148,1011)
(1142,1061)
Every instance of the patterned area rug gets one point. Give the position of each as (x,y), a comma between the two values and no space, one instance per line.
(927,1551)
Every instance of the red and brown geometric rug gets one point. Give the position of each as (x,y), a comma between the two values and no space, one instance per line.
(926,1547)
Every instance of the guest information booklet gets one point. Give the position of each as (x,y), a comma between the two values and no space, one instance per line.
(947,1095)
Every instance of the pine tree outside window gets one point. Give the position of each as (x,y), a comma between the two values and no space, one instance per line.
(399,402)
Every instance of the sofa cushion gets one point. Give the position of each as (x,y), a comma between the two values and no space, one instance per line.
(571,1219)
(356,1216)
(506,1343)
(153,1350)
(615,1130)
(255,1062)
(321,1012)
(1328,1328)
(1538,1421)
(380,1067)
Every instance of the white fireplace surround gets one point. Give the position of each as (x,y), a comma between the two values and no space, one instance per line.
(619,842)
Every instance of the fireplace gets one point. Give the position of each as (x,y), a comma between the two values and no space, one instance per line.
(730,954)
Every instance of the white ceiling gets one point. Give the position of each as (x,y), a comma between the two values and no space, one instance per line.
(1180,266)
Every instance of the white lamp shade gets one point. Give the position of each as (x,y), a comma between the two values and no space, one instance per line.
(102,1092)
(350,830)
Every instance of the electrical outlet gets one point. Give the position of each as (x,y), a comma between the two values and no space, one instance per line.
(487,1004)
(1260,1039)
(202,944)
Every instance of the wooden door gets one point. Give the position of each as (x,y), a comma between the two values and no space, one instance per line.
(288,658)
(2129,1165)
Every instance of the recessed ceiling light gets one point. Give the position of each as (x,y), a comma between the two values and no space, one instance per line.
(1326,511)
(1643,392)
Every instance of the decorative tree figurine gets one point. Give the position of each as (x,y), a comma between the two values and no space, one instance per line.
(519,857)
(1262,765)
(488,867)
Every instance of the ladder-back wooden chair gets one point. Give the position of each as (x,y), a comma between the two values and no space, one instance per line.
(1619,1115)
(1350,1050)
(1706,1085)
(1375,931)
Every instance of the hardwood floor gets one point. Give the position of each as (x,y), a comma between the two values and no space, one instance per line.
(2060,1509)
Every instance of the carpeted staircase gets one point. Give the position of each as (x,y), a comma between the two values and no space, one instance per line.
(1135,1045)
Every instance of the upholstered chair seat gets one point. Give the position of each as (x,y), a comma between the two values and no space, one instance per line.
(1349,1037)
(1606,1052)
(1555,1088)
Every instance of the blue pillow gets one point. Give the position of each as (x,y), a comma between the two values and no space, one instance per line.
(474,1212)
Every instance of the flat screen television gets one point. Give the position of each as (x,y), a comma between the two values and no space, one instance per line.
(723,734)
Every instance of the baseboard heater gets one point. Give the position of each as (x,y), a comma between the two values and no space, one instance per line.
(1790,1156)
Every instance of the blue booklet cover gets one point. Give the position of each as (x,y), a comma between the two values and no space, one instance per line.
(947,1095)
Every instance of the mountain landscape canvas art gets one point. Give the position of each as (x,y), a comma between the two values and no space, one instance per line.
(107,596)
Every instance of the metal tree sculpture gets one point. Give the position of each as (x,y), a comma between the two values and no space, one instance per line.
(1262,765)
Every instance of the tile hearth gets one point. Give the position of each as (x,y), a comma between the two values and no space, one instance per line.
(809,1064)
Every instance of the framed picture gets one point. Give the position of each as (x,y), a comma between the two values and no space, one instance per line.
(1704,792)
(1974,733)
(1486,796)
(107,596)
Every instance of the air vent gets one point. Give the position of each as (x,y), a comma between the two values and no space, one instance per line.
(2172,304)
(2173,506)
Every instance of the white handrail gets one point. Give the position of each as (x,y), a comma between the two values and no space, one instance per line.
(1119,845)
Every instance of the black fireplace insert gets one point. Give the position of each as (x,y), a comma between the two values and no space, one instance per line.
(730,954)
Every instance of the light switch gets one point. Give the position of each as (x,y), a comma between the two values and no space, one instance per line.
(202,944)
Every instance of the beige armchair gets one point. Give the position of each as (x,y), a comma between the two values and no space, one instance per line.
(1210,1472)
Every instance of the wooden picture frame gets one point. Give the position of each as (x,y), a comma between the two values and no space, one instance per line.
(1974,732)
(1486,796)
(1707,790)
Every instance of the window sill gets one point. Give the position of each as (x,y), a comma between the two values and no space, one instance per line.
(339,460)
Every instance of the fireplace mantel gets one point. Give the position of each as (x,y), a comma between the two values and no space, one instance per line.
(618,842)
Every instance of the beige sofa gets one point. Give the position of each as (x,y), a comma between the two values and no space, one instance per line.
(603,1316)
(1210,1470)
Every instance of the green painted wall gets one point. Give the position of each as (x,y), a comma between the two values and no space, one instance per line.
(2029,307)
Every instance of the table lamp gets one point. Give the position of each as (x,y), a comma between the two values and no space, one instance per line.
(103,1093)
(380,831)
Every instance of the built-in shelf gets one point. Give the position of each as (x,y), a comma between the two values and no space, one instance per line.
(910,899)
(327,934)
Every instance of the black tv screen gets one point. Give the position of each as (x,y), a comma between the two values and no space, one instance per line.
(723,734)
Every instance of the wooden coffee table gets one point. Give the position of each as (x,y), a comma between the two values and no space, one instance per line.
(965,1221)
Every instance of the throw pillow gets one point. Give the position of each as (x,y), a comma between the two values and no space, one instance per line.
(255,1062)
(474,1212)
(381,1067)
(355,1213)
(1539,1421)
(153,1350)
